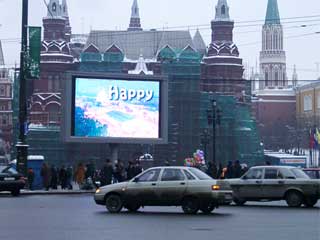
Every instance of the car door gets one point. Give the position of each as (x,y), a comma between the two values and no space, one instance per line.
(273,184)
(142,189)
(172,186)
(250,185)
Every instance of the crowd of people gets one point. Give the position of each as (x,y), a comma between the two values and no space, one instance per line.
(232,170)
(85,175)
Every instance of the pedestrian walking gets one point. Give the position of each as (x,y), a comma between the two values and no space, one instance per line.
(80,174)
(69,177)
(130,170)
(45,174)
(229,172)
(212,170)
(119,172)
(63,177)
(137,168)
(237,170)
(30,178)
(54,177)
(107,173)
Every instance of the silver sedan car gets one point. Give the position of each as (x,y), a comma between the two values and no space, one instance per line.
(268,183)
(166,186)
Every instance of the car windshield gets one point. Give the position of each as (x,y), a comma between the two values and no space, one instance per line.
(199,174)
(299,173)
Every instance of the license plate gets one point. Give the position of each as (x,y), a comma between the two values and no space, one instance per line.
(9,179)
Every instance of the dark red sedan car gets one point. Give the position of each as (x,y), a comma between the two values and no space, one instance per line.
(11,180)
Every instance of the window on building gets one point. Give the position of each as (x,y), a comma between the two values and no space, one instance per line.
(54,7)
(223,10)
(2,91)
(318,101)
(4,120)
(307,103)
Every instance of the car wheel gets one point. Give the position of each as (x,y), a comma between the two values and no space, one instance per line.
(114,203)
(190,205)
(208,208)
(238,201)
(133,207)
(15,192)
(311,201)
(294,199)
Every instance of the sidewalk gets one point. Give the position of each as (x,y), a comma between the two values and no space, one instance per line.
(59,191)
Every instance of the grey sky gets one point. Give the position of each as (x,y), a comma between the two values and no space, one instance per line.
(303,51)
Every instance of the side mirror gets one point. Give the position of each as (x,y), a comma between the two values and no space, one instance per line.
(244,177)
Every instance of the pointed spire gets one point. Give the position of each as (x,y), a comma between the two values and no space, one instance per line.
(135,10)
(1,55)
(54,9)
(199,43)
(64,9)
(135,17)
(272,16)
(222,11)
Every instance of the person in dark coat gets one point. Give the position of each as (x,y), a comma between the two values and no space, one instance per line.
(119,172)
(69,177)
(30,178)
(212,169)
(137,168)
(229,172)
(130,170)
(219,171)
(63,177)
(237,170)
(54,177)
(106,173)
(45,174)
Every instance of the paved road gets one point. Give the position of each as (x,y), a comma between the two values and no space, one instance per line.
(77,217)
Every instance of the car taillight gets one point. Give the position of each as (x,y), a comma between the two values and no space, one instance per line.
(215,187)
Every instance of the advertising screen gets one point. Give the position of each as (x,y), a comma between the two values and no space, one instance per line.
(116,108)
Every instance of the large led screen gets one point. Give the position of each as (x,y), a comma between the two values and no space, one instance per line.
(116,108)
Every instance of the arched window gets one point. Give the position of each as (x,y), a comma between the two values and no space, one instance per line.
(54,7)
(223,10)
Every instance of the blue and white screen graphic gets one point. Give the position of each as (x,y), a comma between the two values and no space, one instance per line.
(116,108)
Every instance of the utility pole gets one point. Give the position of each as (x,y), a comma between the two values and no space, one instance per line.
(22,147)
(214,121)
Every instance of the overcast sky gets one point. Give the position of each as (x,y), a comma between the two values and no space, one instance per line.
(304,51)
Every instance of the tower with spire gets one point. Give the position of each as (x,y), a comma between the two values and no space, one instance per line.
(135,24)
(223,68)
(272,56)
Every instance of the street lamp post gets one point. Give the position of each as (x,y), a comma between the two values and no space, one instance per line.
(214,116)
(205,140)
(22,147)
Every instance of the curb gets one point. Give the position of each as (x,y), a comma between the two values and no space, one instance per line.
(30,193)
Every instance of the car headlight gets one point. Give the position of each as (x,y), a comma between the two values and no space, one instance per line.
(215,187)
(98,190)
